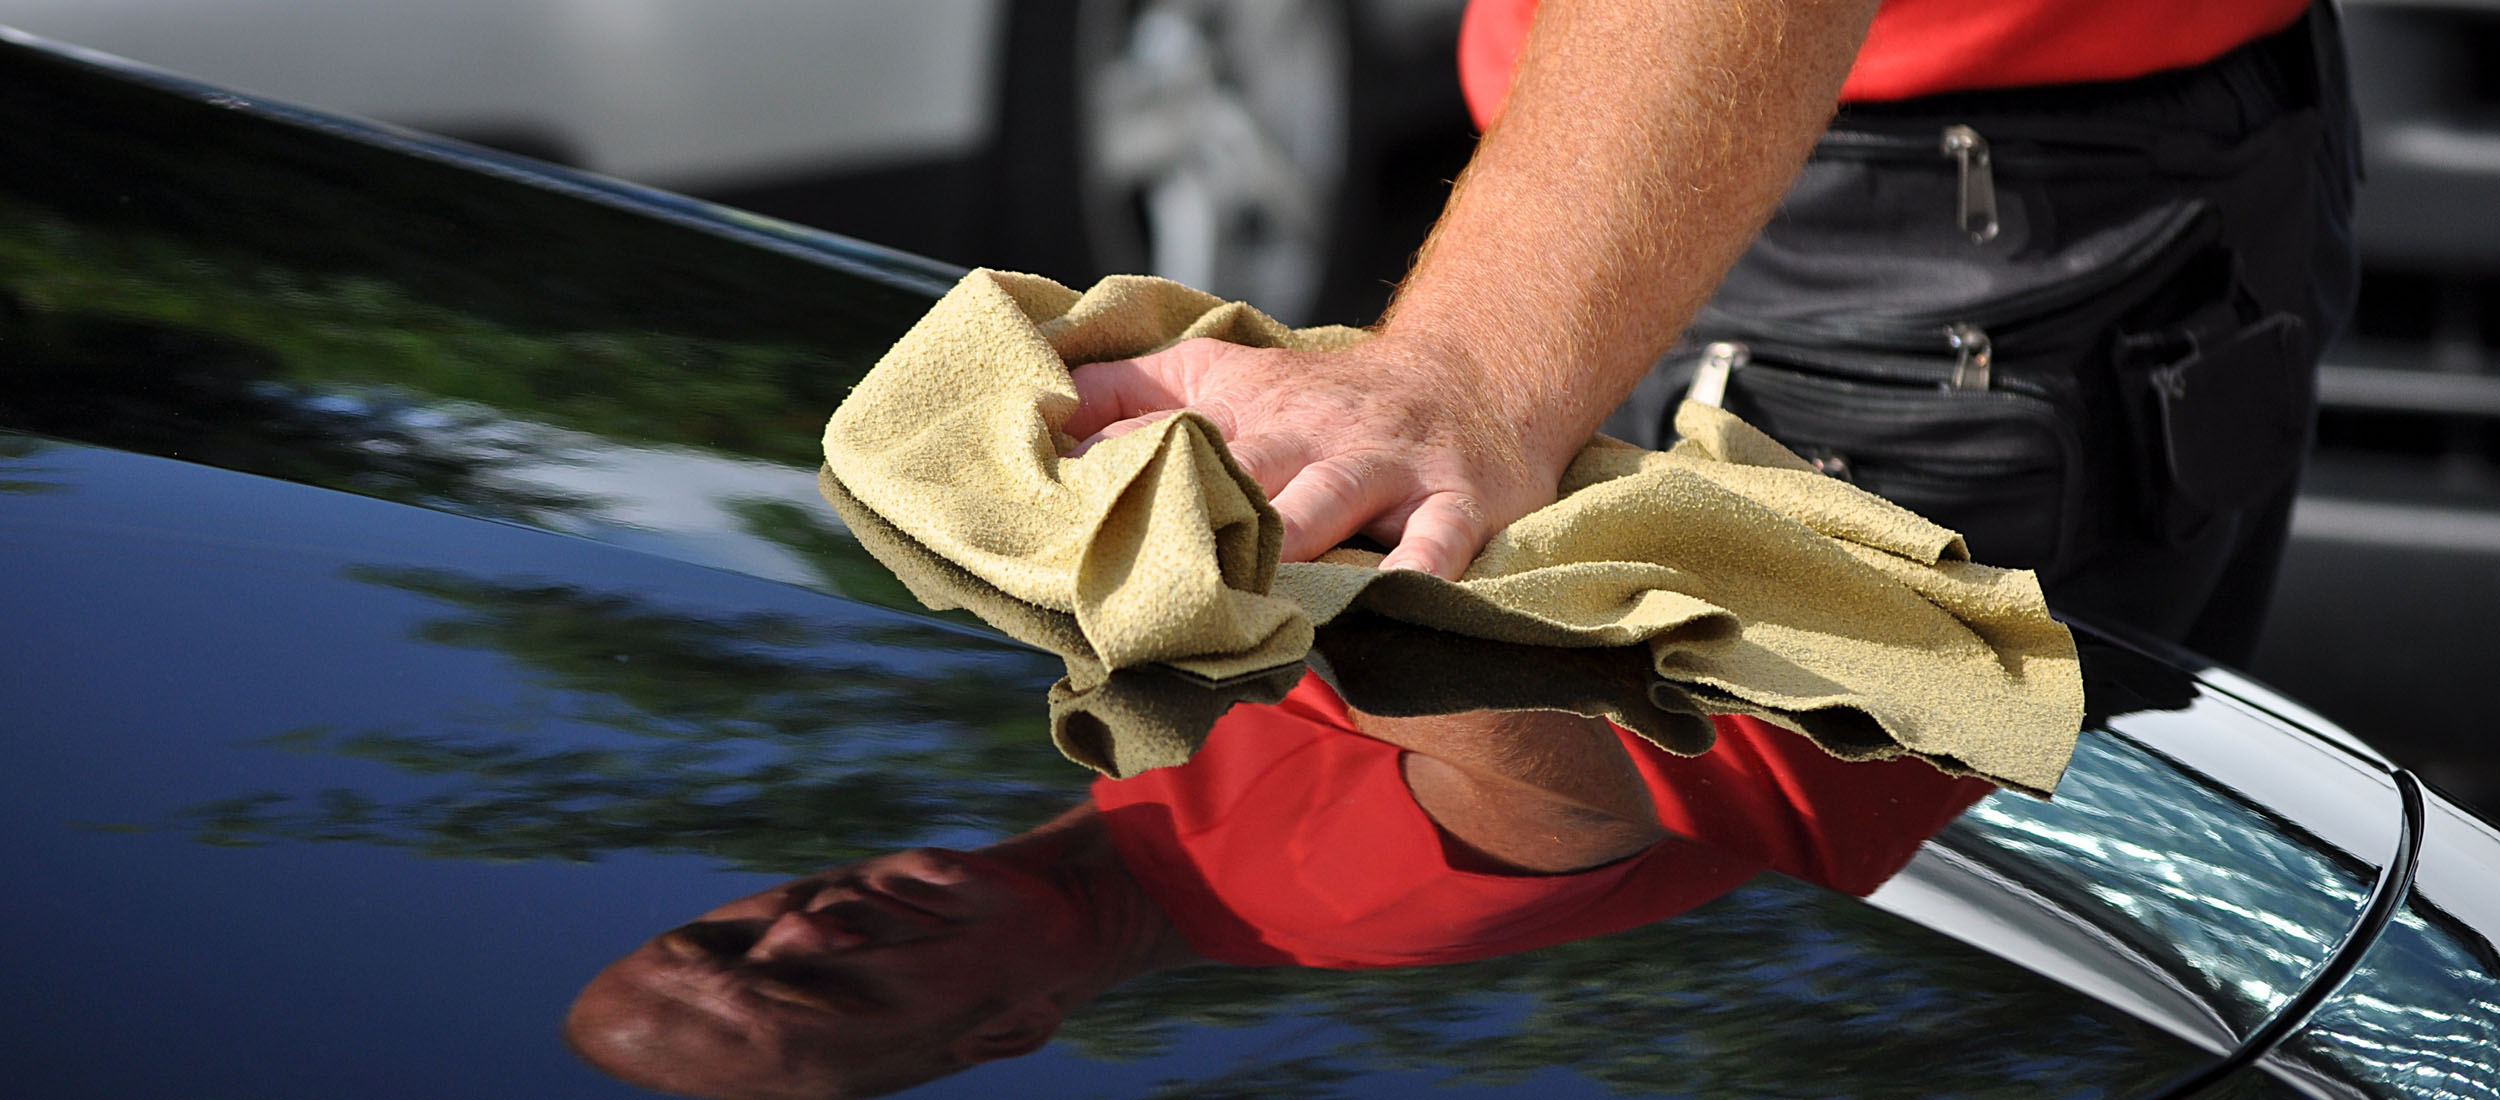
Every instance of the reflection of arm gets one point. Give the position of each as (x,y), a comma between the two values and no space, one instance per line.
(1550,792)
(1841,824)
(1309,834)
(1535,791)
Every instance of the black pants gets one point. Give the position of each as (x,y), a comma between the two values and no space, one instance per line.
(2153,560)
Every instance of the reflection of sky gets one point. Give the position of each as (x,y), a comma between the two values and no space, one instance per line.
(2200,883)
(2421,1014)
(167,968)
(672,501)
(165,617)
(292,970)
(675,501)
(2420,1017)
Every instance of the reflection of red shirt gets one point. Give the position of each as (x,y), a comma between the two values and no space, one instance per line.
(1291,839)
(1921,47)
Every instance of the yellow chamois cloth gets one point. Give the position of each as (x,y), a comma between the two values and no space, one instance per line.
(1755,584)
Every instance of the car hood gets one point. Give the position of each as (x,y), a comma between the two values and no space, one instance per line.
(419,595)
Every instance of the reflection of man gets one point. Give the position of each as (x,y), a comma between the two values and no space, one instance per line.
(1299,834)
(877,976)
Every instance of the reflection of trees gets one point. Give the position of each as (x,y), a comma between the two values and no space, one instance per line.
(120,315)
(774,741)
(165,389)
(2421,1015)
(1777,990)
(341,378)
(18,472)
(770,741)
(145,343)
(840,563)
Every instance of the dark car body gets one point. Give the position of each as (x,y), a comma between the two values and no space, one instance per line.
(416,594)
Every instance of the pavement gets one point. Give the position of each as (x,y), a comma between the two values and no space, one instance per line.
(2384,618)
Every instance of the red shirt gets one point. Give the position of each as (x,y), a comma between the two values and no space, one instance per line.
(1291,839)
(1921,47)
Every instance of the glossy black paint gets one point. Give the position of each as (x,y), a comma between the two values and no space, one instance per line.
(416,594)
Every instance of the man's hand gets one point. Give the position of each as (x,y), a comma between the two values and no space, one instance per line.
(1644,143)
(1404,447)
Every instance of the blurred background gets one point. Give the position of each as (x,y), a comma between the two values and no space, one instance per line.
(1293,152)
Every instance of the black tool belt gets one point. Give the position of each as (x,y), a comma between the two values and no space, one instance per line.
(2047,319)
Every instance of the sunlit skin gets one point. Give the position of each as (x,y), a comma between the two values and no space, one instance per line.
(900,967)
(1644,143)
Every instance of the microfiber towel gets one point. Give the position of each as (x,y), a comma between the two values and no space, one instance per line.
(1750,578)
(1397,670)
(1122,721)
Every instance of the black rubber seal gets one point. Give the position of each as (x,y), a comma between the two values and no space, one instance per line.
(2395,883)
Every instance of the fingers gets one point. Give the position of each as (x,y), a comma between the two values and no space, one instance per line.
(1327,502)
(1273,461)
(1314,431)
(1324,504)
(1118,428)
(1117,390)
(1442,536)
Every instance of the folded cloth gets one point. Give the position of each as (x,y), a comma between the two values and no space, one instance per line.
(1123,721)
(1755,583)
(1116,721)
(1397,670)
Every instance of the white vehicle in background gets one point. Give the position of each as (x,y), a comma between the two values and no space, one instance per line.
(1225,143)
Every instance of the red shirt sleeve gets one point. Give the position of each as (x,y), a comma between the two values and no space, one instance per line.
(1776,797)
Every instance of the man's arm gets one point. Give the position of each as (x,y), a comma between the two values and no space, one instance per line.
(1537,791)
(1644,143)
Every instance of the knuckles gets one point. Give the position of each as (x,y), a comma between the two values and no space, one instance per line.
(1346,441)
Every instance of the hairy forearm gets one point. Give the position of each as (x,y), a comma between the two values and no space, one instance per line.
(1560,758)
(1534,791)
(1644,143)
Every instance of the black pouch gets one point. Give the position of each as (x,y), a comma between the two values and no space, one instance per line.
(2225,425)
(1981,329)
(2004,467)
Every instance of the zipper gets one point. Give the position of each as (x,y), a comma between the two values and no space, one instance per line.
(1718,361)
(1976,202)
(1975,356)
(1974,166)
(1975,163)
(2065,155)
(1932,363)
(1970,370)
(1925,333)
(1881,403)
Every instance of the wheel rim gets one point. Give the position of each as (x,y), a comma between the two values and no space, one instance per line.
(1213,138)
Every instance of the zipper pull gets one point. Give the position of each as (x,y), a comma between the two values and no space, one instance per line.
(1977,355)
(1829,463)
(1977,207)
(1718,361)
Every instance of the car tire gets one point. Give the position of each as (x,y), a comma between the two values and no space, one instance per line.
(1215,142)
